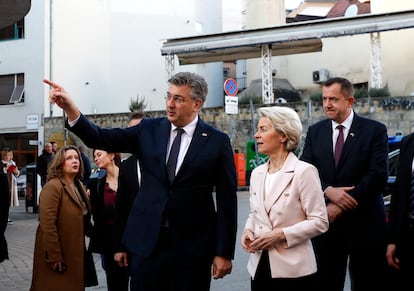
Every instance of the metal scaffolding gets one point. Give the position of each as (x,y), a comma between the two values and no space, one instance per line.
(267,82)
(375,60)
(170,65)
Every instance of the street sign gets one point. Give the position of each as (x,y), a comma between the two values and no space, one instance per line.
(231,104)
(230,87)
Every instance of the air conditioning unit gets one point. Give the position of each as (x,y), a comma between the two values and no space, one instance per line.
(320,75)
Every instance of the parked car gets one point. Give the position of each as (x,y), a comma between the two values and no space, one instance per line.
(394,143)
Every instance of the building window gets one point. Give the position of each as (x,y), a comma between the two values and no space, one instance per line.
(11,89)
(14,31)
(226,73)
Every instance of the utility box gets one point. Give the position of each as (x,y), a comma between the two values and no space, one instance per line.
(240,163)
(320,75)
(31,189)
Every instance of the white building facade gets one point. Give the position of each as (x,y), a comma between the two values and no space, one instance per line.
(104,52)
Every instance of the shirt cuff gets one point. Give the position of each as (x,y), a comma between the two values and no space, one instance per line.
(73,122)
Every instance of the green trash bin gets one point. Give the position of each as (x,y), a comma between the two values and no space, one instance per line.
(253,160)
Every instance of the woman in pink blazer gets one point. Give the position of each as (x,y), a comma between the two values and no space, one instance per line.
(287,208)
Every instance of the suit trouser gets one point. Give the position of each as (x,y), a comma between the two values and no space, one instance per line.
(117,278)
(263,280)
(402,280)
(367,263)
(167,270)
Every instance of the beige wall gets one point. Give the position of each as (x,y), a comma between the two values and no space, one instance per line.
(239,126)
(350,57)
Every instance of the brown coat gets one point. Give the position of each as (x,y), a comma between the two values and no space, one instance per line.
(60,235)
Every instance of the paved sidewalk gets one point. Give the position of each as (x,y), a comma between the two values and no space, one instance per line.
(16,273)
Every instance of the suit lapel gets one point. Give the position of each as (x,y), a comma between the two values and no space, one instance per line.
(285,177)
(161,143)
(261,172)
(200,137)
(69,190)
(327,147)
(351,138)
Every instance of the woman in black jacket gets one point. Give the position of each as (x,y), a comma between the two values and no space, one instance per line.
(103,191)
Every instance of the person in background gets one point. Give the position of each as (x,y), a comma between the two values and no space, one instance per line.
(43,161)
(128,187)
(87,169)
(103,195)
(55,147)
(64,220)
(12,173)
(287,208)
(400,249)
(181,230)
(353,187)
(4,214)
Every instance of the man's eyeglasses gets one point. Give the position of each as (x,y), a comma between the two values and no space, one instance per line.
(177,99)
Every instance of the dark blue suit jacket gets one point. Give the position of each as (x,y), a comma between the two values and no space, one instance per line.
(201,224)
(363,163)
(128,187)
(399,207)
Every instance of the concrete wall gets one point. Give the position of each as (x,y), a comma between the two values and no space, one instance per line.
(239,127)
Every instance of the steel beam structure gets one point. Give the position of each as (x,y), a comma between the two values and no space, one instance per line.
(285,39)
(267,82)
(375,61)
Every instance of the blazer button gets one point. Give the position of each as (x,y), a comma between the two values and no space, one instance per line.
(286,194)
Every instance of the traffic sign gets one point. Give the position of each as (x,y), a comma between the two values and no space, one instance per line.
(230,87)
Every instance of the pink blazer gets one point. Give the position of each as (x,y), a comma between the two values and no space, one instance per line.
(296,204)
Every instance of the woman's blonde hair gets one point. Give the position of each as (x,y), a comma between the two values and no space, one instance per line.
(286,121)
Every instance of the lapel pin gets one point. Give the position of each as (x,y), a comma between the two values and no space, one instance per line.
(352,134)
(204,134)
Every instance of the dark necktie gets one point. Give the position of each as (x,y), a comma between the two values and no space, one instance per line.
(172,158)
(339,144)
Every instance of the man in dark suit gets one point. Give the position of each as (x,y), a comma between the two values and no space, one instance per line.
(128,187)
(353,191)
(400,250)
(178,232)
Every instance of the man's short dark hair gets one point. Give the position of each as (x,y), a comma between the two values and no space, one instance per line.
(346,86)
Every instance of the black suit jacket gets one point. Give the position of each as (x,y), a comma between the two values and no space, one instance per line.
(363,163)
(102,238)
(200,204)
(4,214)
(399,207)
(128,187)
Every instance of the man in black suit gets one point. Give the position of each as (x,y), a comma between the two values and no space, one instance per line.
(353,191)
(178,232)
(128,187)
(400,250)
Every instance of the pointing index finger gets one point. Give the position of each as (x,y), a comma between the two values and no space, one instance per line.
(52,84)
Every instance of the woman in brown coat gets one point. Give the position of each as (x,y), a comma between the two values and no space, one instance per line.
(64,213)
